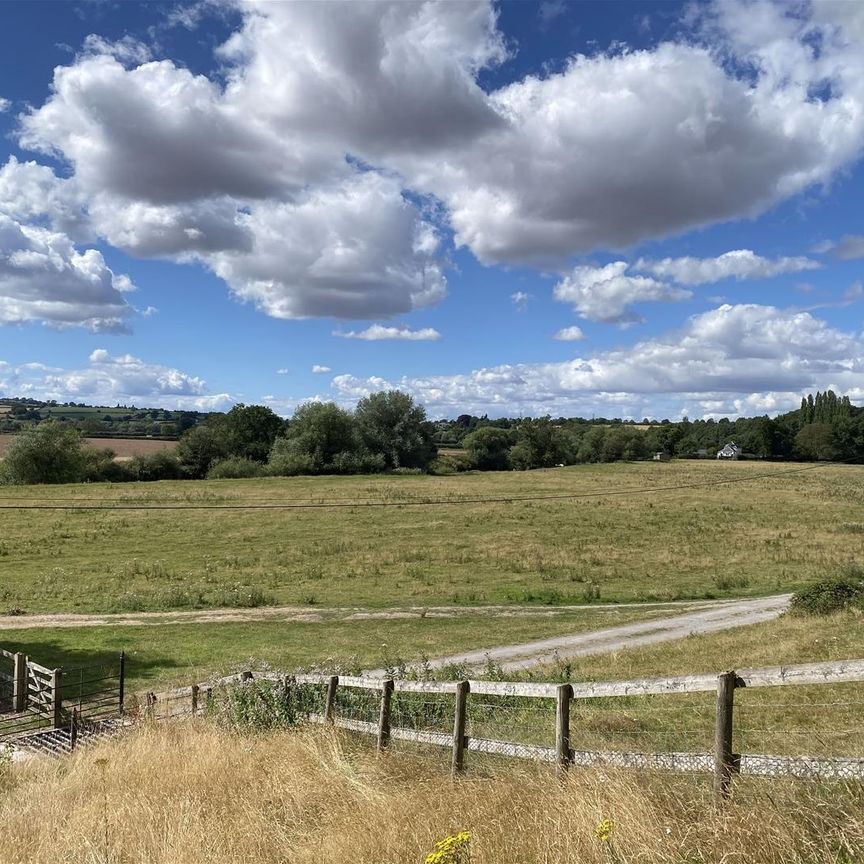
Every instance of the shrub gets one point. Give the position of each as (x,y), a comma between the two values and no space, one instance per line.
(285,462)
(101,467)
(47,453)
(235,468)
(163,465)
(831,595)
(356,462)
(257,705)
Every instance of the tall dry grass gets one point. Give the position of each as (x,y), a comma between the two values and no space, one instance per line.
(195,793)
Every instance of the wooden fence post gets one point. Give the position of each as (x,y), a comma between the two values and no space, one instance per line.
(724,758)
(563,754)
(19,684)
(57,698)
(73,729)
(330,704)
(151,706)
(122,684)
(384,716)
(460,716)
(194,689)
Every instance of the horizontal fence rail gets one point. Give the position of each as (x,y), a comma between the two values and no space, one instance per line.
(457,714)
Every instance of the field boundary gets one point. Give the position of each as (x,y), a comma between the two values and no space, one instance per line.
(723,763)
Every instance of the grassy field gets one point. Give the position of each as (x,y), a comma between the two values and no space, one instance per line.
(313,797)
(184,653)
(637,540)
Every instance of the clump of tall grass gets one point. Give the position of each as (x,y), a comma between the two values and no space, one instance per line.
(192,792)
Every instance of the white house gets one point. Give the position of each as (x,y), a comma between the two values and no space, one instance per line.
(729,451)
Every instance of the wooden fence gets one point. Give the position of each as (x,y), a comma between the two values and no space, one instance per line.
(724,762)
(35,698)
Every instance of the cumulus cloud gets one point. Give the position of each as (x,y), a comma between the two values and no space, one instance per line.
(625,146)
(378,332)
(321,370)
(5,105)
(109,379)
(570,334)
(520,300)
(737,264)
(731,358)
(607,293)
(44,278)
(758,103)
(356,250)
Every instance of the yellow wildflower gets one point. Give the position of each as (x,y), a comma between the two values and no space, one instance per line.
(450,850)
(603,831)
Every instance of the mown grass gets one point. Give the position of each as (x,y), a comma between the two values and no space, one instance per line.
(187,653)
(316,797)
(749,538)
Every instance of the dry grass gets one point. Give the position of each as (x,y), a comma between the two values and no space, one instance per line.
(311,797)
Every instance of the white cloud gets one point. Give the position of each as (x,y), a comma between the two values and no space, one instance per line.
(378,332)
(606,293)
(283,371)
(847,248)
(127,49)
(734,357)
(5,105)
(737,264)
(570,334)
(762,102)
(44,278)
(356,250)
(520,300)
(321,370)
(110,379)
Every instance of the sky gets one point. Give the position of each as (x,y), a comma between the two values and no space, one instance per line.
(580,209)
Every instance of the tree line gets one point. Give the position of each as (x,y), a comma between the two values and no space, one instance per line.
(388,431)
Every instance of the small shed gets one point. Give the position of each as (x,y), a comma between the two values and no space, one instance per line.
(660,456)
(729,451)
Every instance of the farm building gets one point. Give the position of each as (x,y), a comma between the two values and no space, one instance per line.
(729,451)
(661,457)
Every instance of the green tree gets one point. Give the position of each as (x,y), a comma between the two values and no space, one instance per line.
(391,424)
(47,453)
(199,449)
(815,441)
(322,431)
(545,443)
(250,430)
(487,448)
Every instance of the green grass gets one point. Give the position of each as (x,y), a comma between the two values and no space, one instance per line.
(814,720)
(730,540)
(185,653)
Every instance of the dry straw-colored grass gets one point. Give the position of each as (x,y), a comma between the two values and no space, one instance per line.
(195,793)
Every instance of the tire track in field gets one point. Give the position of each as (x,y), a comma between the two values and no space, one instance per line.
(707,619)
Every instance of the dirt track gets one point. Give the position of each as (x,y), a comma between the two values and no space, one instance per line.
(707,619)
(304,613)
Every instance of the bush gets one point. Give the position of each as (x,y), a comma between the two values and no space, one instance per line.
(258,706)
(100,467)
(831,595)
(235,468)
(162,465)
(47,453)
(285,462)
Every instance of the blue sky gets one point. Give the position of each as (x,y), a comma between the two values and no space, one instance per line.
(519,208)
